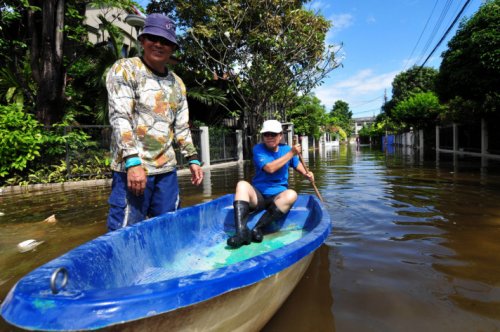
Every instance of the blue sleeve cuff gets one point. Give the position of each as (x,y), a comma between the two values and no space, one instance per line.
(194,162)
(131,162)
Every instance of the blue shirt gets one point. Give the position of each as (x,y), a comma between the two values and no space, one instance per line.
(271,184)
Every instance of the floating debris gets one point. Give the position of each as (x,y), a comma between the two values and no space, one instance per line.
(28,245)
(51,220)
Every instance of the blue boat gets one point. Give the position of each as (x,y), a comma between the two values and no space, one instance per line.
(172,272)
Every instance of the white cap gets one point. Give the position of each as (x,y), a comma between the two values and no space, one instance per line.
(271,126)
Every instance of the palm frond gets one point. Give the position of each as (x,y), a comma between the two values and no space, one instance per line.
(209,96)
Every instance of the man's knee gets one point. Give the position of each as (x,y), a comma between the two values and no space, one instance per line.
(285,200)
(243,186)
(289,196)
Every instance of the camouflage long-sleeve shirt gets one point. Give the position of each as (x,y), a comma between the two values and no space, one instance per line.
(147,112)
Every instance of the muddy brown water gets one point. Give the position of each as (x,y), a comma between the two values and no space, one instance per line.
(415,244)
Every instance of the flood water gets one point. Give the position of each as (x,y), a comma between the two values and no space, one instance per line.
(415,244)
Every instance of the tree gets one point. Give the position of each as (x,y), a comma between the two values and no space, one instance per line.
(46,31)
(87,87)
(308,117)
(15,70)
(341,116)
(418,111)
(265,53)
(407,83)
(50,36)
(373,131)
(469,75)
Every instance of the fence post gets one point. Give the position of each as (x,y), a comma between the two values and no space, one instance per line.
(484,137)
(421,143)
(455,138)
(68,168)
(289,133)
(205,145)
(239,144)
(304,142)
(437,138)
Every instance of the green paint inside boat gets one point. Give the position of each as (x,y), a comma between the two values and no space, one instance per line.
(218,256)
(226,255)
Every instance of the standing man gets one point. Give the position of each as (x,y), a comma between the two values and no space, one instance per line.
(269,189)
(148,110)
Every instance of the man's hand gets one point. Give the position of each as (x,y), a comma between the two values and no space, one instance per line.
(296,149)
(136,180)
(310,176)
(196,174)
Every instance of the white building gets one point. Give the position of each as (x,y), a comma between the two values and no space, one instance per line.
(361,122)
(130,22)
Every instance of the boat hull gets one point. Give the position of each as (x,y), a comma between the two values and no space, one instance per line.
(145,273)
(243,310)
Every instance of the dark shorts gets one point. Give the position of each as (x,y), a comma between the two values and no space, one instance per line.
(160,196)
(263,202)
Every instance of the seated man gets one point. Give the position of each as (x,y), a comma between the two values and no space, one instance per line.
(269,188)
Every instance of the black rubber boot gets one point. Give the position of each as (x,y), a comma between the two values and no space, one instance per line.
(243,234)
(272,214)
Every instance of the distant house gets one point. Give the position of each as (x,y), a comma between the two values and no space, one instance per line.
(362,122)
(130,22)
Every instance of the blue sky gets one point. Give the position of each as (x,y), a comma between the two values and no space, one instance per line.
(379,40)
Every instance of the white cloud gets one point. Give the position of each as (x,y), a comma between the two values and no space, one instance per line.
(341,21)
(371,19)
(318,6)
(362,91)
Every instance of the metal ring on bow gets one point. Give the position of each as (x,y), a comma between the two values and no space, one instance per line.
(53,279)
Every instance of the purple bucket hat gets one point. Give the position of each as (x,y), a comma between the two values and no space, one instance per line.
(160,25)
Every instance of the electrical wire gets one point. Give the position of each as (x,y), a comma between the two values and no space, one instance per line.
(421,34)
(436,28)
(367,101)
(446,33)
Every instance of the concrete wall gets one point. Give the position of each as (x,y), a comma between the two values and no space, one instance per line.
(416,141)
(114,15)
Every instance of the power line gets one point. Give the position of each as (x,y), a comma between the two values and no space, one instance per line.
(367,102)
(371,110)
(436,28)
(422,33)
(447,31)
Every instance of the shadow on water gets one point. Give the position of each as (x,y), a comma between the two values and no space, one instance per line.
(414,245)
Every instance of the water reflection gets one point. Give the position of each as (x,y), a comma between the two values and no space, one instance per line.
(310,299)
(418,243)
(414,246)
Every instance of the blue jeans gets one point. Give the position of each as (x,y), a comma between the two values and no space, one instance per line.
(160,196)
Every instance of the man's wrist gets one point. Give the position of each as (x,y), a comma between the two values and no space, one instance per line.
(132,161)
(195,162)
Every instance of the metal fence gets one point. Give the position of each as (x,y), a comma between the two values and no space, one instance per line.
(223,146)
(90,157)
(493,137)
(446,138)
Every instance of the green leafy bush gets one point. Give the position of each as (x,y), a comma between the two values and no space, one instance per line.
(30,153)
(21,139)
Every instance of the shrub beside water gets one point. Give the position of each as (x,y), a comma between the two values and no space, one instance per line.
(21,139)
(30,153)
